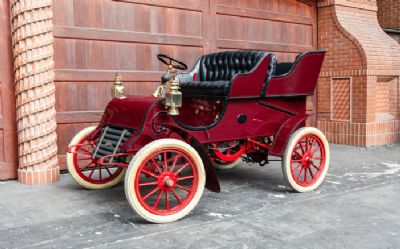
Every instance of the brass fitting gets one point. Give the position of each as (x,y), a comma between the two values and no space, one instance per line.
(173,97)
(118,87)
(159,91)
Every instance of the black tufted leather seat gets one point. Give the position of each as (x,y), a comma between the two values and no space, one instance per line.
(223,66)
(212,74)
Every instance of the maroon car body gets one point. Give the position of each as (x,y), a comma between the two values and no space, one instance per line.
(274,107)
(245,102)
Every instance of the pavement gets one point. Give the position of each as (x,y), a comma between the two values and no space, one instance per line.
(358,206)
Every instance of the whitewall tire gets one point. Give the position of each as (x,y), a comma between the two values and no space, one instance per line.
(165,180)
(305,161)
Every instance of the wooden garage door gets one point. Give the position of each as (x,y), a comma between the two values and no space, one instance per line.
(8,137)
(96,38)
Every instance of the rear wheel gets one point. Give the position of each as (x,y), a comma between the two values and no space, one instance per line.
(227,155)
(84,169)
(165,180)
(306,159)
(226,165)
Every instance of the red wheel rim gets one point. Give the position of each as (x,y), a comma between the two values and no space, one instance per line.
(166,181)
(307,161)
(87,167)
(229,154)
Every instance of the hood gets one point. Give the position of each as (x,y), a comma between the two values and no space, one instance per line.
(129,112)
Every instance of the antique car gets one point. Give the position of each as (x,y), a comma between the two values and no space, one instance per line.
(232,106)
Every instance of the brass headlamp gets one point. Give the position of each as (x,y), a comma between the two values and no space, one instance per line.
(173,97)
(169,90)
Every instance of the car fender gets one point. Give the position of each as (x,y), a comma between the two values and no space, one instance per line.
(284,133)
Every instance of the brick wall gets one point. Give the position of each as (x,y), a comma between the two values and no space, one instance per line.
(389,17)
(361,68)
(389,13)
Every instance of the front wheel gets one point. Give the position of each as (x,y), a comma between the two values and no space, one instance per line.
(306,159)
(165,180)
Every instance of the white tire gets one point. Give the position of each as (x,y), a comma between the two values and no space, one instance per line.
(305,168)
(79,176)
(164,180)
(224,166)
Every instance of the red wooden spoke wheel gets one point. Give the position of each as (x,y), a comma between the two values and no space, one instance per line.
(227,154)
(85,170)
(306,159)
(165,180)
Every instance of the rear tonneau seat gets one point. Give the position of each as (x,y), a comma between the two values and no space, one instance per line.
(297,78)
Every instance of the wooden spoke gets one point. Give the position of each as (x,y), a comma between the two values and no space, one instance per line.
(157,199)
(148,183)
(146,172)
(181,168)
(150,193)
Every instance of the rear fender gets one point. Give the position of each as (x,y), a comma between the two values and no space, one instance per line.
(284,133)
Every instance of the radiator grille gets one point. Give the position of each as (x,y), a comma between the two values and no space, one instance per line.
(110,142)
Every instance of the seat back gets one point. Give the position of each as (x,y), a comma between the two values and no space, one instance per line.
(300,79)
(223,66)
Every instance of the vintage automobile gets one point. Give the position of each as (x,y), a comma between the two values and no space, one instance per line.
(232,106)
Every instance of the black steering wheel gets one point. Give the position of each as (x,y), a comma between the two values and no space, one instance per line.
(180,65)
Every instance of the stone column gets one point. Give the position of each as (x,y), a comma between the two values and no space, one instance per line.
(358,92)
(32,40)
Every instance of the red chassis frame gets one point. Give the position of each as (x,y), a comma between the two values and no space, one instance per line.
(275,114)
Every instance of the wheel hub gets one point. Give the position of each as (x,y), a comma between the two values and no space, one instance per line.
(307,160)
(167,181)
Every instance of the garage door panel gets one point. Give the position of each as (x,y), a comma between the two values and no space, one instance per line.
(107,55)
(83,96)
(293,7)
(241,28)
(130,17)
(195,5)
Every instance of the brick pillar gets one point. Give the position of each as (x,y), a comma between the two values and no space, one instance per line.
(358,96)
(32,39)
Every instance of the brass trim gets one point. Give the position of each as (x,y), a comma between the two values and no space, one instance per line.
(118,87)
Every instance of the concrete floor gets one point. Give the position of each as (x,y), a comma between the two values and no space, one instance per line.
(358,206)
